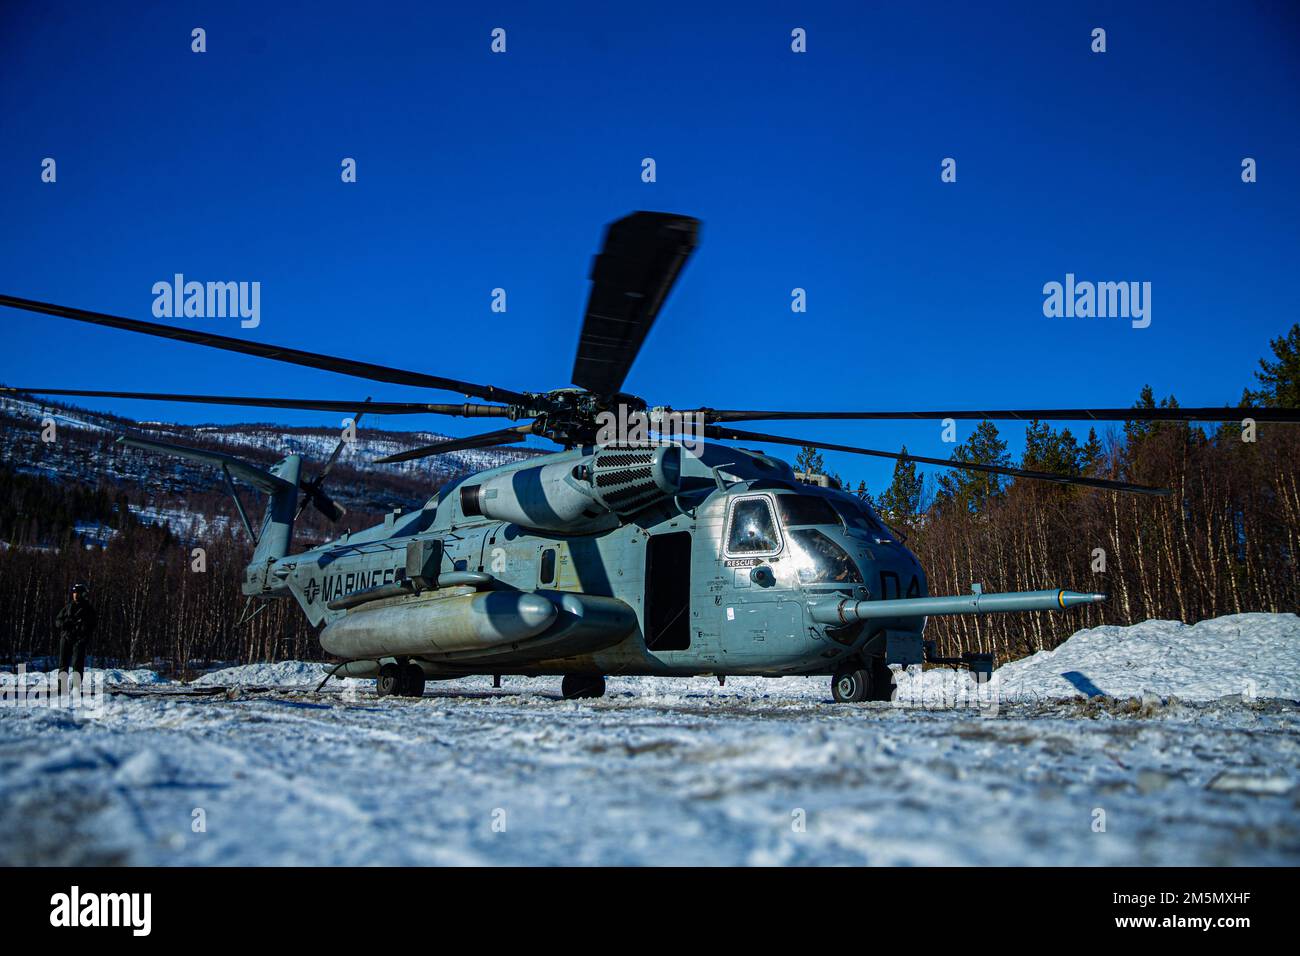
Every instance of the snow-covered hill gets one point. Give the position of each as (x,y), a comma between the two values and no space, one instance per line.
(85,452)
(315,444)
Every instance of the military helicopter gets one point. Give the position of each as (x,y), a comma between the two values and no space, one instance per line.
(638,549)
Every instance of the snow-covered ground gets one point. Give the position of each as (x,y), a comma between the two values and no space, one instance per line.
(1204,770)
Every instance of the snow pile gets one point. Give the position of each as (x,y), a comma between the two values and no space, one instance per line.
(1252,655)
(1246,655)
(140,675)
(109,675)
(279,674)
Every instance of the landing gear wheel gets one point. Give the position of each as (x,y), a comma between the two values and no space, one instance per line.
(882,680)
(389,681)
(851,683)
(413,684)
(576,686)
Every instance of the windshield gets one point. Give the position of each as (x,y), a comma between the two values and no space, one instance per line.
(805,509)
(860,518)
(819,560)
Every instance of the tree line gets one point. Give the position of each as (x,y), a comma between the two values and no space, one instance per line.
(158,601)
(1225,541)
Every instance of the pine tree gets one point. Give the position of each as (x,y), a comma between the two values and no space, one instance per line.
(1049,450)
(900,503)
(1090,454)
(809,461)
(973,490)
(1280,379)
(1136,431)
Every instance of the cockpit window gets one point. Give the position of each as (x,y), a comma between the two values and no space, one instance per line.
(819,560)
(860,518)
(805,509)
(752,529)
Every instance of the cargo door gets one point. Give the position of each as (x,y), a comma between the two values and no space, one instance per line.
(667,622)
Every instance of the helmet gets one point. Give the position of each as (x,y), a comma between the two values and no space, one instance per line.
(79,588)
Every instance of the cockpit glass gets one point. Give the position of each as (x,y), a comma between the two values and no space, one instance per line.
(805,509)
(819,560)
(859,518)
(753,530)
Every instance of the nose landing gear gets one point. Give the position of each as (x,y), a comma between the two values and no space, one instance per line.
(855,681)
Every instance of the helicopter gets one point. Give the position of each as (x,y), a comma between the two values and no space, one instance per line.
(644,546)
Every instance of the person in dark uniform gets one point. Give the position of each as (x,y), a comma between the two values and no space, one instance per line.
(75,625)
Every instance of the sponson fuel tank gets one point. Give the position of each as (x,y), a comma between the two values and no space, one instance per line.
(460,623)
(439,623)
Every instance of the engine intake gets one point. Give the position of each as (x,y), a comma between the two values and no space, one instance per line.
(625,479)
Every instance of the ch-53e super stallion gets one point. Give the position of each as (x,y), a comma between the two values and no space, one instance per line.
(638,549)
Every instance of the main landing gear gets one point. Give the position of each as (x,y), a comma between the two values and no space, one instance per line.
(857,680)
(576,686)
(400,680)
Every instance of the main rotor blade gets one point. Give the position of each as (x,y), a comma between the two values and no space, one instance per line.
(376,373)
(310,404)
(505,436)
(731,434)
(633,274)
(1019,414)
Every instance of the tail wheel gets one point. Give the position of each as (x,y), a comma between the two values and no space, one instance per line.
(389,681)
(414,683)
(577,686)
(851,683)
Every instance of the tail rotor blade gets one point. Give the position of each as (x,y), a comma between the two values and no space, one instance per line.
(334,456)
(331,509)
(313,490)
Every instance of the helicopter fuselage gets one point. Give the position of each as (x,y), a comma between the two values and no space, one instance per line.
(716,578)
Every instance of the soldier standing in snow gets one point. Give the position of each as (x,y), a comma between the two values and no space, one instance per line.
(75,625)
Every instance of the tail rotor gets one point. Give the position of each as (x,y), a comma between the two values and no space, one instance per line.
(313,488)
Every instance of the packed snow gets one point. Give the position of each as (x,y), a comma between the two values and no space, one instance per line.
(1156,744)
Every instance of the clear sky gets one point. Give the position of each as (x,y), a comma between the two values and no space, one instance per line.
(818,170)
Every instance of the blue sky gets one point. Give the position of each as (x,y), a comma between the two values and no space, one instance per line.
(818,171)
